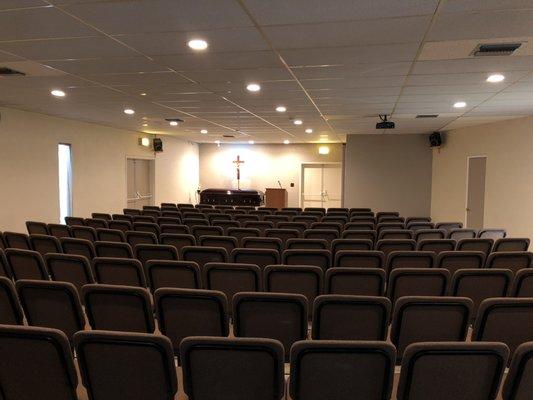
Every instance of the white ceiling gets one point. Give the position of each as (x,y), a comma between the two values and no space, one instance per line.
(335,64)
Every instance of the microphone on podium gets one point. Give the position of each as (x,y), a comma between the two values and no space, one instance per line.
(279,183)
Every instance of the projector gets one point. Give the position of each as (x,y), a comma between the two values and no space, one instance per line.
(384,124)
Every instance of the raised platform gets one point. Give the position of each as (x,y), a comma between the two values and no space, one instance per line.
(234,197)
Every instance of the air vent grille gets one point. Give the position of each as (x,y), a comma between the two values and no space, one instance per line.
(427,115)
(495,49)
(228,136)
(5,71)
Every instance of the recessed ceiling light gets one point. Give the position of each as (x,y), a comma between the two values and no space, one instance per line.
(251,142)
(129,111)
(495,78)
(460,104)
(145,124)
(253,87)
(58,93)
(308,130)
(323,150)
(197,44)
(286,141)
(143,94)
(173,123)
(297,122)
(203,131)
(145,142)
(281,108)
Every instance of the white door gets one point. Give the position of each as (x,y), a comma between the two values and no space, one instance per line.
(140,182)
(321,185)
(475,201)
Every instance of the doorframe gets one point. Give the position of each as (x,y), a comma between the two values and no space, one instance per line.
(467,183)
(304,164)
(152,175)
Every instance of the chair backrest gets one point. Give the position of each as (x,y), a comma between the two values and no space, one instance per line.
(178,240)
(227,242)
(125,365)
(203,254)
(15,240)
(359,259)
(262,243)
(410,259)
(477,244)
(339,317)
(425,234)
(118,271)
(74,221)
(283,234)
(479,284)
(118,308)
(80,247)
(461,233)
(69,268)
(513,260)
(350,244)
(417,282)
(360,224)
(523,283)
(519,382)
(250,368)
(454,260)
(104,216)
(334,226)
(199,231)
(172,274)
(315,257)
(113,249)
(36,228)
(436,245)
(168,220)
(240,233)
(511,244)
(355,281)
(147,252)
(96,223)
(190,312)
(416,226)
(417,219)
(37,298)
(83,232)
(131,211)
(279,316)
(59,230)
(231,278)
(4,267)
(120,225)
(507,320)
(122,217)
(459,371)
(341,370)
(492,233)
(389,245)
(179,229)
(395,234)
(140,237)
(362,234)
(259,257)
(22,348)
(327,234)
(110,235)
(25,264)
(429,319)
(383,226)
(298,279)
(10,309)
(448,225)
(299,244)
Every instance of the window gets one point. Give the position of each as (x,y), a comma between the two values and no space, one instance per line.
(65,181)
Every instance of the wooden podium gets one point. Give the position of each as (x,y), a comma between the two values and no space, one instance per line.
(276,197)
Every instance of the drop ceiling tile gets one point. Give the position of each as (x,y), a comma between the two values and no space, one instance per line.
(276,12)
(161,15)
(385,81)
(458,79)
(481,64)
(106,66)
(452,89)
(386,31)
(39,23)
(482,25)
(14,4)
(359,70)
(454,6)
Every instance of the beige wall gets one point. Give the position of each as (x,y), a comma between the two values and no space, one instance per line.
(29,172)
(388,172)
(508,146)
(264,165)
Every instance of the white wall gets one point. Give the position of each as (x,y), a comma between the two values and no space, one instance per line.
(508,146)
(388,172)
(29,171)
(263,165)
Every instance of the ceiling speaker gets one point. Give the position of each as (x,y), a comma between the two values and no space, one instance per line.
(435,139)
(158,144)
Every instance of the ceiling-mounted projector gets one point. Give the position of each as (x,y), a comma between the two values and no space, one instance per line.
(384,124)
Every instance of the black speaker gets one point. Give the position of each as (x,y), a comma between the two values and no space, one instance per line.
(158,144)
(435,139)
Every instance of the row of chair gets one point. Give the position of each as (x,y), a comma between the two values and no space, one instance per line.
(141,366)
(279,316)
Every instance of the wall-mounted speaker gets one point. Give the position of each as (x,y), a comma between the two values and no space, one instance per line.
(435,139)
(158,144)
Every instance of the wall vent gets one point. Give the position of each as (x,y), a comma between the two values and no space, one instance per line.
(228,136)
(427,116)
(5,71)
(495,49)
